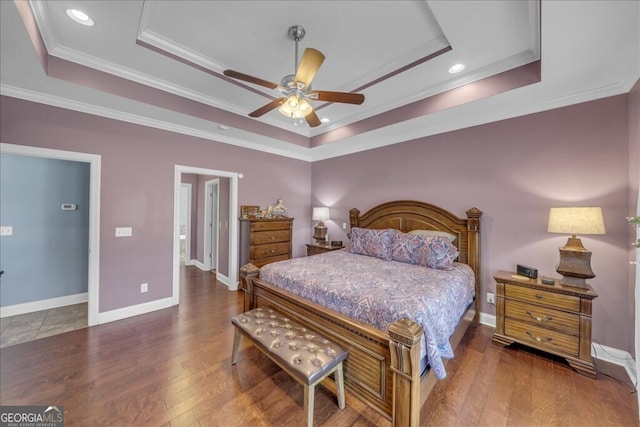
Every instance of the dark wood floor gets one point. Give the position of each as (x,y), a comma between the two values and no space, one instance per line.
(172,367)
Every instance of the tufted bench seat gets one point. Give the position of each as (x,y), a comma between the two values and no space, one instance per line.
(303,354)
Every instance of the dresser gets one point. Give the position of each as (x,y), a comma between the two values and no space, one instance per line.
(265,240)
(552,318)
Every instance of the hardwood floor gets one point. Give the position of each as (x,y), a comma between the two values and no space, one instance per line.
(172,367)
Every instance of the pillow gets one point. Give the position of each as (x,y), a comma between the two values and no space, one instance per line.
(371,242)
(434,233)
(428,251)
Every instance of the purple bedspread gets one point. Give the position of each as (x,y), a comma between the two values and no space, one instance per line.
(378,292)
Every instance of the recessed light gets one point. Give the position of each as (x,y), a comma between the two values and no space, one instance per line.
(80,17)
(325,120)
(456,68)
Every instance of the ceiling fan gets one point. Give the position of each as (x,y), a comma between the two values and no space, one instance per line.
(296,88)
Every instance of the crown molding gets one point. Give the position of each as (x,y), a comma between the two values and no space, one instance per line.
(243,140)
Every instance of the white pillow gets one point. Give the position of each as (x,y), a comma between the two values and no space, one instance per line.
(434,233)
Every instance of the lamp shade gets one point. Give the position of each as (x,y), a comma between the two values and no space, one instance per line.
(320,214)
(576,220)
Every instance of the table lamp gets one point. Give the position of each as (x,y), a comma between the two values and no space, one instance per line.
(320,230)
(575,259)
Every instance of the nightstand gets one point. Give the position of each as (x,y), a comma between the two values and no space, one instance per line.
(320,248)
(552,318)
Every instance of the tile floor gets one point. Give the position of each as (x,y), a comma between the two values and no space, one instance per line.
(40,324)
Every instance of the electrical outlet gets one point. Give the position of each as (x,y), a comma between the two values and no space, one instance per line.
(491,298)
(144,288)
(344,225)
(124,231)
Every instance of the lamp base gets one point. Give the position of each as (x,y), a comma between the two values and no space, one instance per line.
(575,264)
(320,232)
(575,282)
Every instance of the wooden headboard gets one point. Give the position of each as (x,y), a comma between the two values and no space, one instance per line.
(407,215)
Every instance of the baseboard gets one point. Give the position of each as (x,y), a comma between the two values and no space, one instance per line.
(598,351)
(225,279)
(189,261)
(199,265)
(134,310)
(488,319)
(45,304)
(616,357)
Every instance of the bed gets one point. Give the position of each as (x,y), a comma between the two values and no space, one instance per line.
(384,365)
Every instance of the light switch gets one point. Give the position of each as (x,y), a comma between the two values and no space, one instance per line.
(6,230)
(124,232)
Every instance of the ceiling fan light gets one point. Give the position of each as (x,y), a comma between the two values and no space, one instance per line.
(295,107)
(304,108)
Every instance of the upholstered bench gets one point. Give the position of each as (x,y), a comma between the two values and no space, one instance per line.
(303,354)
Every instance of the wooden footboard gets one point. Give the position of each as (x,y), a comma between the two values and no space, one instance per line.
(383,370)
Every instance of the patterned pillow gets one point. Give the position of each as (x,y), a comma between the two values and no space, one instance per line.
(435,252)
(371,242)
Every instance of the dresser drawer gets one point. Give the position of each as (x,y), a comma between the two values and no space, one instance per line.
(269,250)
(270,225)
(546,298)
(262,237)
(544,339)
(544,316)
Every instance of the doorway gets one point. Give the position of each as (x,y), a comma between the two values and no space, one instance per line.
(94,162)
(226,272)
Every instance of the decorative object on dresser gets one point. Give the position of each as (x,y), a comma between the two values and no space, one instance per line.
(277,210)
(320,248)
(320,214)
(575,260)
(265,240)
(249,211)
(552,318)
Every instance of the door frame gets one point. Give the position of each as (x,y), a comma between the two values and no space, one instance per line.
(94,160)
(211,262)
(232,279)
(187,242)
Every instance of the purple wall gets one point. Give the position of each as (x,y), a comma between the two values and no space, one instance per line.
(138,166)
(514,171)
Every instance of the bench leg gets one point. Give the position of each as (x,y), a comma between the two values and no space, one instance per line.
(236,345)
(309,392)
(339,378)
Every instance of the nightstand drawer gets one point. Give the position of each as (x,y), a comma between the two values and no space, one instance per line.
(270,250)
(544,316)
(546,298)
(262,237)
(544,339)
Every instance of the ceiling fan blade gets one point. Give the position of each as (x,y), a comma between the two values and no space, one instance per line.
(266,108)
(250,79)
(309,65)
(312,119)
(344,97)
